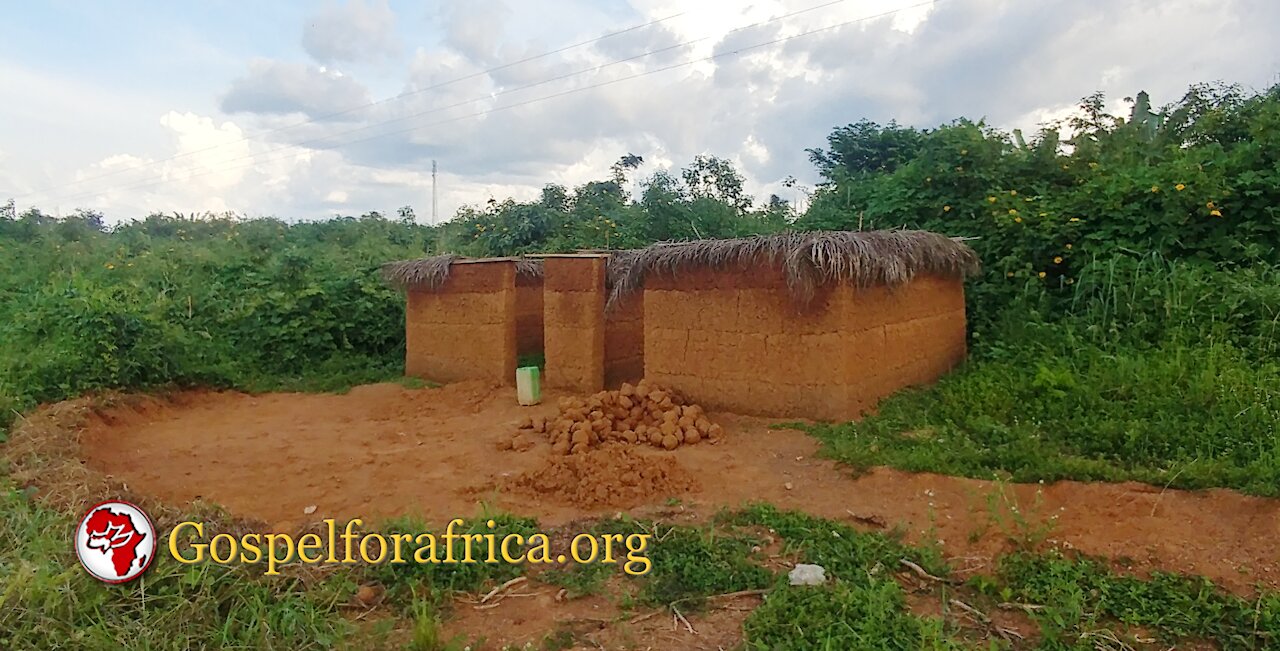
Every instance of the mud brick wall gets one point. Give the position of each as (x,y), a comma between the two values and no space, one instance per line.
(528,314)
(465,329)
(573,322)
(624,342)
(738,342)
(904,336)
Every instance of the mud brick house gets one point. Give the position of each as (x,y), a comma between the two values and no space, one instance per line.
(469,318)
(816,325)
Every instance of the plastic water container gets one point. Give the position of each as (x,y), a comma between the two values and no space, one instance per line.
(528,385)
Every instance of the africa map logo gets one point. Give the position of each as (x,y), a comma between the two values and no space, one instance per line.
(115,542)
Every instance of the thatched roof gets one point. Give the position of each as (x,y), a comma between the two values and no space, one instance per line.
(430,273)
(808,260)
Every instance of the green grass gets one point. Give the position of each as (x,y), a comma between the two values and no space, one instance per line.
(337,375)
(579,580)
(426,633)
(47,601)
(860,607)
(841,549)
(842,616)
(410,584)
(1079,595)
(1186,417)
(1142,378)
(690,564)
(1074,602)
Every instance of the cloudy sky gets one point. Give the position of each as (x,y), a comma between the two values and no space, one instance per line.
(307,109)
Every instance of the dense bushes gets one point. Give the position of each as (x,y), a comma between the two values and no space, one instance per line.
(1199,181)
(196,301)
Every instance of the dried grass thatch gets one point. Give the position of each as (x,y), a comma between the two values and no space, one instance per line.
(529,267)
(430,273)
(808,260)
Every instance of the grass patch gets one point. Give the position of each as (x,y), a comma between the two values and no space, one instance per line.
(410,382)
(842,616)
(861,606)
(1080,595)
(47,601)
(844,551)
(578,580)
(1136,375)
(690,564)
(1187,417)
(693,563)
(426,633)
(1077,603)
(336,375)
(411,583)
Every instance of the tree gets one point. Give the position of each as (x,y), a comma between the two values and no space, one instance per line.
(625,164)
(555,197)
(711,177)
(866,148)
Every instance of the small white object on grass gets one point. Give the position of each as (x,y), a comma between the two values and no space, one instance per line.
(803,574)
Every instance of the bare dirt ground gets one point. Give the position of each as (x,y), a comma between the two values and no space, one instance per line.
(594,618)
(384,450)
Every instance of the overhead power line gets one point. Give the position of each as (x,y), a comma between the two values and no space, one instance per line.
(361,107)
(572,91)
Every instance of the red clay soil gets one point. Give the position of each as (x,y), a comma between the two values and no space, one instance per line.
(383,450)
(614,475)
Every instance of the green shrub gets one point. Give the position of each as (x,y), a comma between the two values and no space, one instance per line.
(1196,182)
(207,301)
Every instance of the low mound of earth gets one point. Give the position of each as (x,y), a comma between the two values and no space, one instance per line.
(383,450)
(614,475)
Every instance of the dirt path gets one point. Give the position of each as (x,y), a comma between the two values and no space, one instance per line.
(383,450)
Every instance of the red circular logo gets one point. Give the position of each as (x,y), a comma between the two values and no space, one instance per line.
(115,541)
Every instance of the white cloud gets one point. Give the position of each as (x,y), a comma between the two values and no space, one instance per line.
(754,150)
(194,178)
(284,88)
(474,29)
(356,31)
